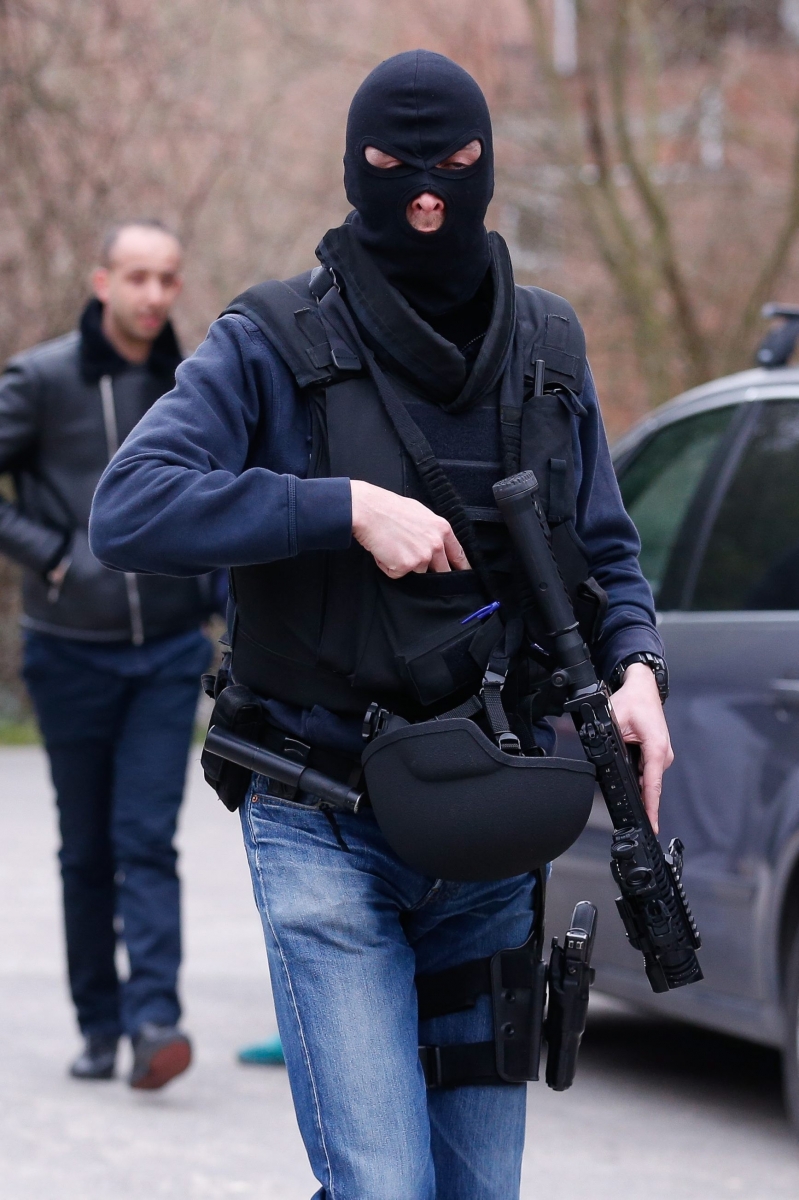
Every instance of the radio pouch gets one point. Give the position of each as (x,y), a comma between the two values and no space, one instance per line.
(238,711)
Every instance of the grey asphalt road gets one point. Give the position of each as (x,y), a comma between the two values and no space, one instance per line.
(658,1110)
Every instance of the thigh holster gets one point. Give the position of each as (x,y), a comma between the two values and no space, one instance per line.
(515,979)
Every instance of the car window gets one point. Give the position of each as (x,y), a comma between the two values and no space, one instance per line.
(659,483)
(752,556)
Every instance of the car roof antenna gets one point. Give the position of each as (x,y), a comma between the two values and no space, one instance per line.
(779,343)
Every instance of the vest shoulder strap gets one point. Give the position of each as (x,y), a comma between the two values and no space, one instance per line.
(286,313)
(554,333)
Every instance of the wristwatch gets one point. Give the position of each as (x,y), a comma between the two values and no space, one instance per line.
(657,666)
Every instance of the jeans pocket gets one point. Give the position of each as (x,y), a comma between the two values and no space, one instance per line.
(261,793)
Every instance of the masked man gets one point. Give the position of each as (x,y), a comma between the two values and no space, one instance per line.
(282,454)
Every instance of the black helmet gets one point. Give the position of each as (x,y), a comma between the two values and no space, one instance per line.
(454,806)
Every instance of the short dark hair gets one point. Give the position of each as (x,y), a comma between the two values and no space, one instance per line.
(111,234)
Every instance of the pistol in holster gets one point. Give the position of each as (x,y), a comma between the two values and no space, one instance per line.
(570,977)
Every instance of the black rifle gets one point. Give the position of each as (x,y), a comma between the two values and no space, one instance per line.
(652,904)
(569,977)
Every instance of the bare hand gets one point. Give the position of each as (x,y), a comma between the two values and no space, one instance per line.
(59,572)
(639,713)
(401,534)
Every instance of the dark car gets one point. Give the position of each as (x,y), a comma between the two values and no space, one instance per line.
(712,483)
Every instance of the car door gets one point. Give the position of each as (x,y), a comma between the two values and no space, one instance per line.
(661,478)
(715,496)
(731,629)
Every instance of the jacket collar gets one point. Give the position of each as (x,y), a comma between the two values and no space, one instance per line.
(403,342)
(98,357)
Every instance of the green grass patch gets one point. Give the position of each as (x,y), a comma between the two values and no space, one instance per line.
(26,733)
(19,733)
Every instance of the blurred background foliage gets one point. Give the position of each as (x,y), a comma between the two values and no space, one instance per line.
(647,161)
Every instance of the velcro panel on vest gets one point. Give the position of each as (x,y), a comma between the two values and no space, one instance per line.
(555,347)
(467,445)
(361,442)
(557,337)
(286,315)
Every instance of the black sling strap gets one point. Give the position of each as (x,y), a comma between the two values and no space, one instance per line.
(511,401)
(443,497)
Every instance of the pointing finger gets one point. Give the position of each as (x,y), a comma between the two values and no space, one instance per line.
(455,552)
(652,785)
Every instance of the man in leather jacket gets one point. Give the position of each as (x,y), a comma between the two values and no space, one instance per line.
(112,661)
(244,465)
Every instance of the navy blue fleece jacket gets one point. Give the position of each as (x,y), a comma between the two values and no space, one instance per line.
(215,476)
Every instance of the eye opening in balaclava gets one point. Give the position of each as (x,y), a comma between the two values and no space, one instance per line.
(407,166)
(421,107)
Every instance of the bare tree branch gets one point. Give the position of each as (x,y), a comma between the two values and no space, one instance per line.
(772,270)
(692,339)
(614,234)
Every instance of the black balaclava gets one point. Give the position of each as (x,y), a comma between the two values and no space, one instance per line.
(421,107)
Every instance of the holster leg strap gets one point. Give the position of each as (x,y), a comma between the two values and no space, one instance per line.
(456,1066)
(454,989)
(516,981)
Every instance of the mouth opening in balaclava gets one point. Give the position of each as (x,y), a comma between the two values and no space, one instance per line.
(421,107)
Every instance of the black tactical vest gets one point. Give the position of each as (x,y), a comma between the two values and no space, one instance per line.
(329,628)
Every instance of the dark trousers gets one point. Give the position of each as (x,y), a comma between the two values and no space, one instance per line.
(118,745)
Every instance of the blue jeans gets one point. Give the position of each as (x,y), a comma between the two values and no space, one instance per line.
(347,927)
(118,741)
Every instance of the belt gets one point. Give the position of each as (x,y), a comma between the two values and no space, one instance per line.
(345,768)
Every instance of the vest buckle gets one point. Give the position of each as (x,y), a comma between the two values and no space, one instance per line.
(375,721)
(509,743)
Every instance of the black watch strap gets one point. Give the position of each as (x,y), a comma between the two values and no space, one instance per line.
(656,664)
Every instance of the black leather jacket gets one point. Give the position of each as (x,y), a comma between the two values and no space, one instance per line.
(65,405)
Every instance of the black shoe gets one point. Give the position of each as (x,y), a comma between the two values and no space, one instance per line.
(160,1052)
(97,1059)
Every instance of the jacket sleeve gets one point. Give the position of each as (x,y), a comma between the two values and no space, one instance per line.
(182,495)
(25,540)
(613,545)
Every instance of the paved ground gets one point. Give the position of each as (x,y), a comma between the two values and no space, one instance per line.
(658,1110)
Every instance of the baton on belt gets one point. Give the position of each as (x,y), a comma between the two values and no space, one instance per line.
(283,770)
